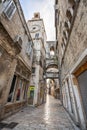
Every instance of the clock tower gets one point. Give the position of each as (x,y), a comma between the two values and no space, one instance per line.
(38,34)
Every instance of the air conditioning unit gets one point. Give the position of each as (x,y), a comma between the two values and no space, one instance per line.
(10,9)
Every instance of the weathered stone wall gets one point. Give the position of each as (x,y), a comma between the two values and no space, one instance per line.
(78,39)
(71,54)
(10,59)
(6,42)
(16,26)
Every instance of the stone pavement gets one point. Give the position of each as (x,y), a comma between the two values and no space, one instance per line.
(49,116)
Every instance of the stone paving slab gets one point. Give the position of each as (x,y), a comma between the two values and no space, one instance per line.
(49,116)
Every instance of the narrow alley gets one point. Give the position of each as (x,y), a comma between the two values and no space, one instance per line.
(43,64)
(49,116)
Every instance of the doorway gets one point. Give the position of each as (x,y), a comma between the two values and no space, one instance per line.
(82,80)
(81,75)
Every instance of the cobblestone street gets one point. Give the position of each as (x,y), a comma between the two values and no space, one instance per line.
(50,116)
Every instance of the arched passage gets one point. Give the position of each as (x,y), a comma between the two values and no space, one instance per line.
(52,84)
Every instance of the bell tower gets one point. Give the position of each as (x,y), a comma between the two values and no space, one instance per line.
(38,34)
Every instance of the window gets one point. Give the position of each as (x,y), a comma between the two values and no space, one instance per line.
(19,90)
(29,48)
(40,62)
(12,89)
(63,45)
(10,9)
(33,69)
(37,35)
(52,51)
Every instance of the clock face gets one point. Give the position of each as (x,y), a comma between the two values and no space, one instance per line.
(34,28)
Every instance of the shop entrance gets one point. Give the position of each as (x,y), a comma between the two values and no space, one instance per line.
(81,75)
(82,80)
(31,94)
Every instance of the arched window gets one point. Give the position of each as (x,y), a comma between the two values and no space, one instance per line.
(52,51)
(37,35)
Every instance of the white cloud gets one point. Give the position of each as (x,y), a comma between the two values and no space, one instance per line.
(48,16)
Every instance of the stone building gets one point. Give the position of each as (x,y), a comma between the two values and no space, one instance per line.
(37,85)
(15,57)
(71,36)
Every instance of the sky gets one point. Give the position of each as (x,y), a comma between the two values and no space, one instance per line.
(46,9)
